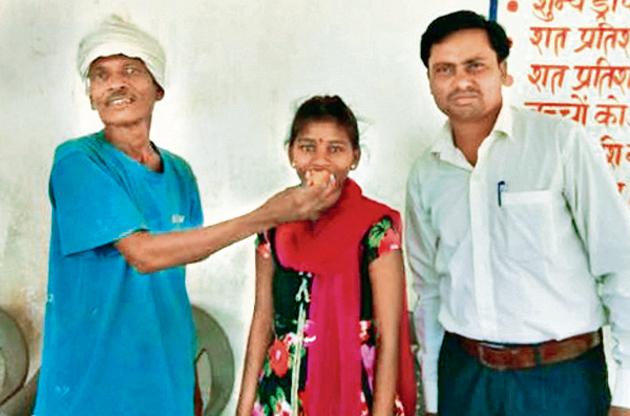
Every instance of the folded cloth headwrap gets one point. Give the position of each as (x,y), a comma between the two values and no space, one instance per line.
(116,36)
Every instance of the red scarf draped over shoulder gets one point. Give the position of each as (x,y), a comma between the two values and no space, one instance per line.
(330,249)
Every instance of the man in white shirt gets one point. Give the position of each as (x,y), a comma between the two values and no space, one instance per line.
(518,243)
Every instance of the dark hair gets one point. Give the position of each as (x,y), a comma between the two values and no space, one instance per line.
(325,108)
(450,23)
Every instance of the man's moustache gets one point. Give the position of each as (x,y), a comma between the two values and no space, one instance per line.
(117,96)
(463,94)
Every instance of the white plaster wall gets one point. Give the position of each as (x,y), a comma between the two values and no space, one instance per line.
(236,70)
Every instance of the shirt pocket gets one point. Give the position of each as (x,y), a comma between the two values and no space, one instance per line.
(526,227)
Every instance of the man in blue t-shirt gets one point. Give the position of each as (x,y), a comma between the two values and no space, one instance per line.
(126,216)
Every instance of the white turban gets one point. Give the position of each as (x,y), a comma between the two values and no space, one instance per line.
(116,36)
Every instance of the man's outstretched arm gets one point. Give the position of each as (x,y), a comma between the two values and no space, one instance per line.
(150,253)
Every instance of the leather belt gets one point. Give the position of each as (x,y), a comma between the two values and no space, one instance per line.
(518,357)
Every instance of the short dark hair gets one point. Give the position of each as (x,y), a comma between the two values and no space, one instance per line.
(325,108)
(450,23)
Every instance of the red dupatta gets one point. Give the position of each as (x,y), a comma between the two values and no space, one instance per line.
(330,249)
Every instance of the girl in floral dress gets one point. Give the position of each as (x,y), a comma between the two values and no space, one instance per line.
(329,334)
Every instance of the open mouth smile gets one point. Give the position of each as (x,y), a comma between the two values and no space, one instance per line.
(119,101)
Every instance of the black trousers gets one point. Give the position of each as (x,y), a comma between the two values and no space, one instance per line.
(577,387)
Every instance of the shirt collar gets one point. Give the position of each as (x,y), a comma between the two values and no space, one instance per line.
(504,123)
(444,141)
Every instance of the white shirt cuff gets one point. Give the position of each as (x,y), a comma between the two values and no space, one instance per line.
(430,396)
(621,392)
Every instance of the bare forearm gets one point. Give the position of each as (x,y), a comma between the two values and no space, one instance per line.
(386,377)
(386,277)
(149,253)
(257,344)
(260,334)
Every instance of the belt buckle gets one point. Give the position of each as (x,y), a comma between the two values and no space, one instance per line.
(482,348)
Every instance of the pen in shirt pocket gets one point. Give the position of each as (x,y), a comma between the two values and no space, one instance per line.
(501,187)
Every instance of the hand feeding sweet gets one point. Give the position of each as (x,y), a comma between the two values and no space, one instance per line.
(318,178)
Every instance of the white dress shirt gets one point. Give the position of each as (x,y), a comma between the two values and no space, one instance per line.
(529,245)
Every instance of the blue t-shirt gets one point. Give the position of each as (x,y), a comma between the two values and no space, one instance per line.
(116,342)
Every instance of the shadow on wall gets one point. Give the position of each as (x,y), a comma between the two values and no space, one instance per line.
(214,361)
